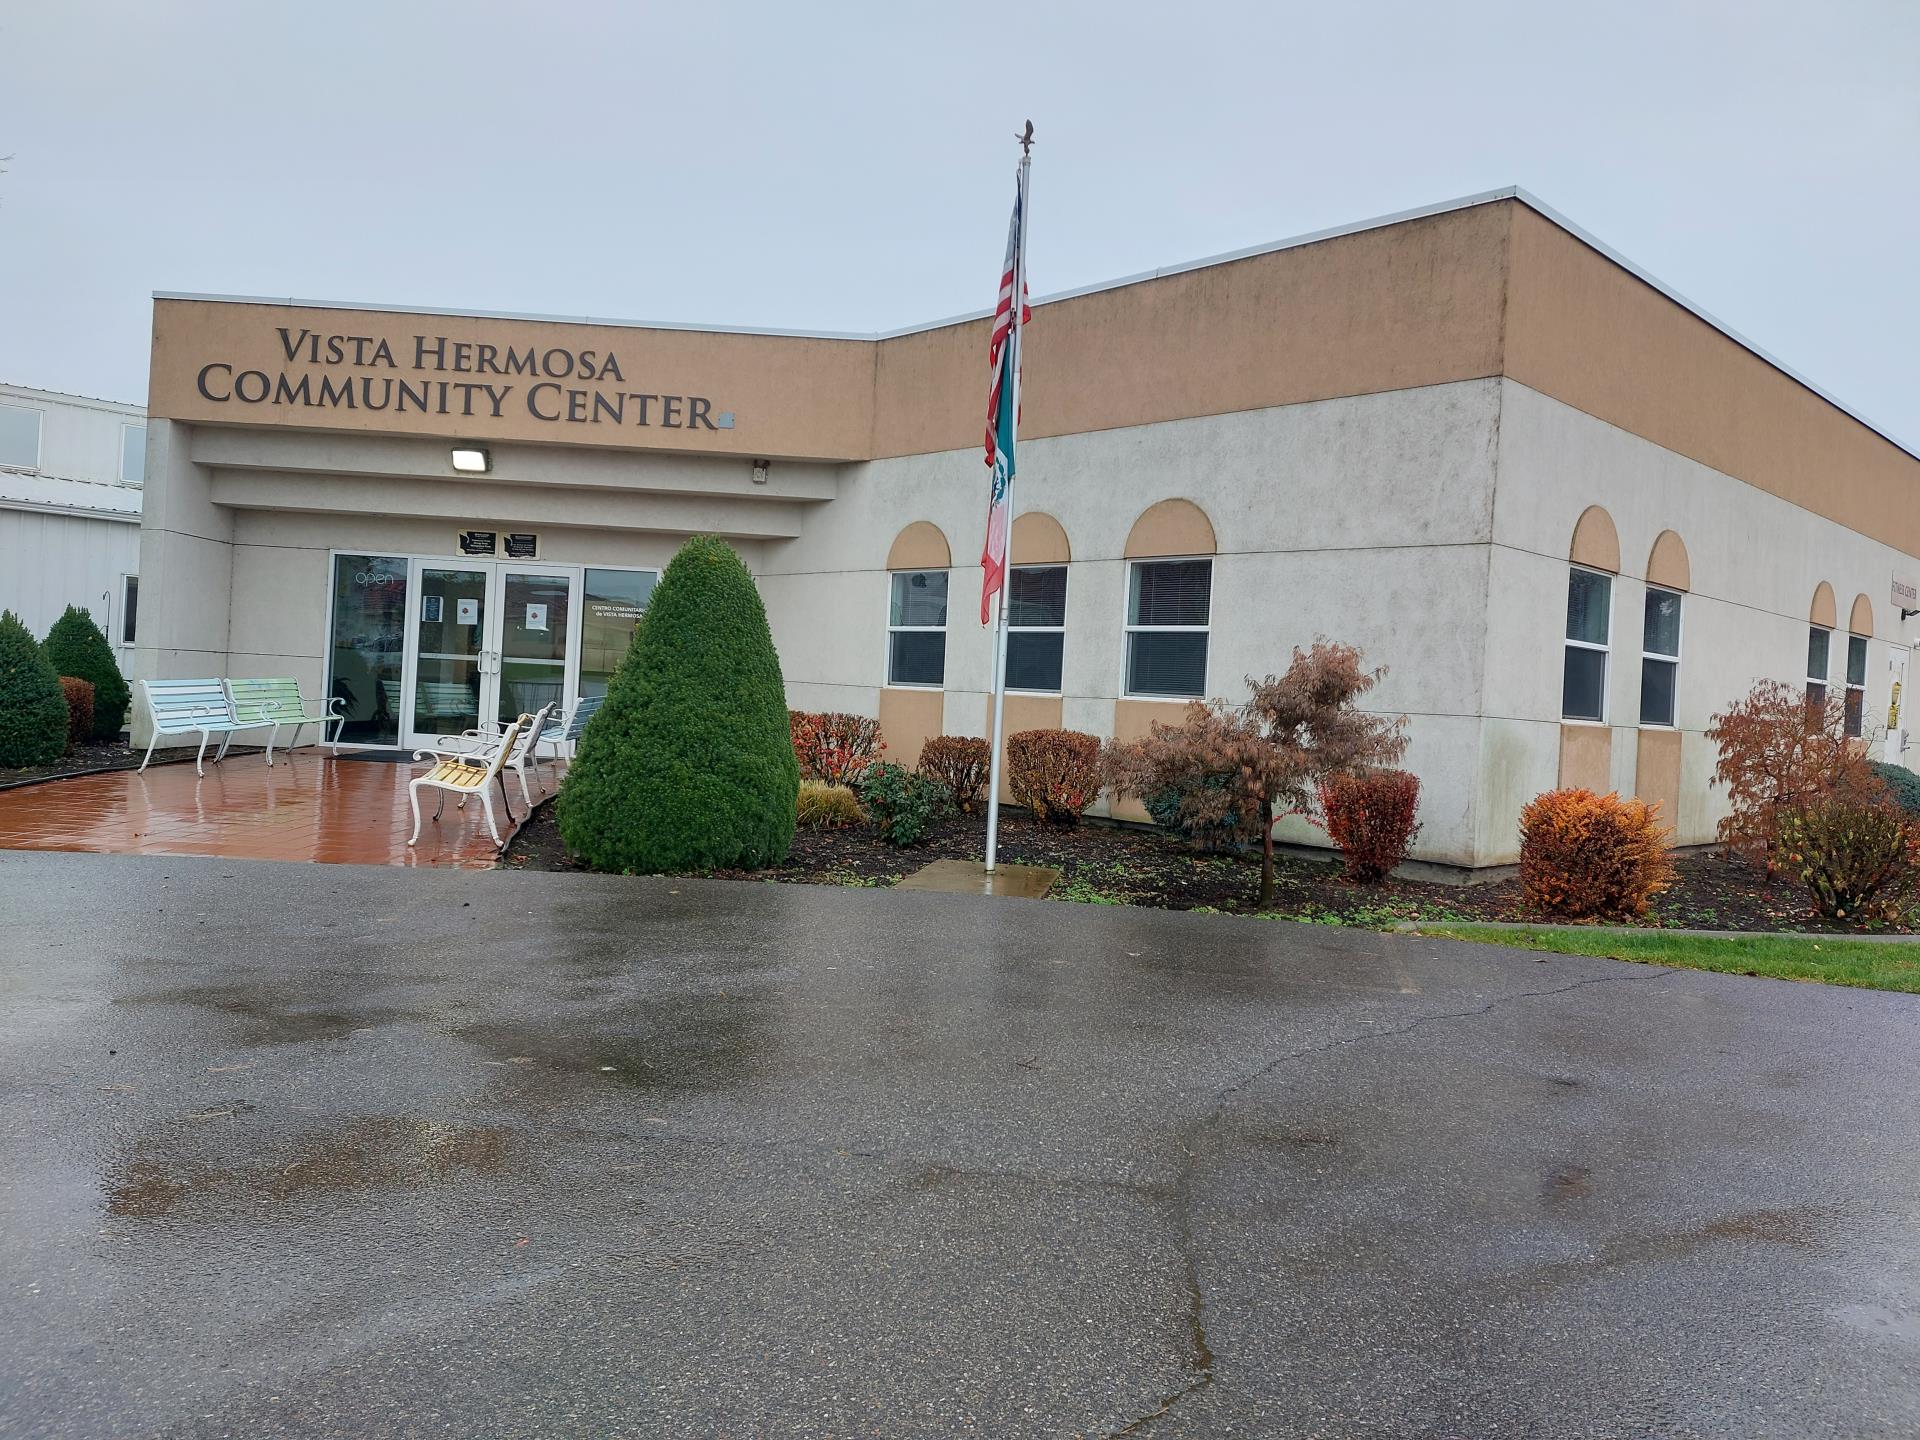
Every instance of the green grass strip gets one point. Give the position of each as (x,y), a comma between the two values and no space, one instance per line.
(1872,965)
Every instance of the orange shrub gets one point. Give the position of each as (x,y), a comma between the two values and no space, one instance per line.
(1054,773)
(832,747)
(959,762)
(79,695)
(1370,817)
(1584,855)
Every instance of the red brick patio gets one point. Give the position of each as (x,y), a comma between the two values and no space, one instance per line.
(307,806)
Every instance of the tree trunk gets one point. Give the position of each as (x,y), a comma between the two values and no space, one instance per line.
(1266,854)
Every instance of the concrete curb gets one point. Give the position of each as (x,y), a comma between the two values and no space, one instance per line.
(1438,929)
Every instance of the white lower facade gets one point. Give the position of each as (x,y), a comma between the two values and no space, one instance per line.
(1431,527)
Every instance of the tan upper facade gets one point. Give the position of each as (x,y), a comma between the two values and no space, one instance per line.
(1483,289)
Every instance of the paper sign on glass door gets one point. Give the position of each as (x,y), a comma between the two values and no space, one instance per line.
(536,617)
(466,612)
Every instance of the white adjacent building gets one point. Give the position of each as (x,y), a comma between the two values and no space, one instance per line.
(71,475)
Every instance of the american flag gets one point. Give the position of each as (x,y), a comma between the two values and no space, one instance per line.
(1002,418)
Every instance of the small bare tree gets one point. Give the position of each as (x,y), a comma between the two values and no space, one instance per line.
(1778,749)
(1242,766)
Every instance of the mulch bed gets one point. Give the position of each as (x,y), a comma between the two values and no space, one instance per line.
(84,759)
(96,756)
(1114,865)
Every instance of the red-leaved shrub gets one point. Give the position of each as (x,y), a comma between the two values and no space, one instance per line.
(1229,771)
(1778,749)
(1856,856)
(1369,815)
(959,762)
(1584,855)
(1054,773)
(832,747)
(79,695)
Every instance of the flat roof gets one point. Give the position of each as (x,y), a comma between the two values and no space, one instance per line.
(1464,202)
(13,387)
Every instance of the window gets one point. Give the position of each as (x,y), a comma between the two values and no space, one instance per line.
(1583,681)
(133,454)
(917,628)
(368,645)
(1856,684)
(1819,641)
(1660,657)
(1036,627)
(129,608)
(1169,606)
(19,437)
(612,603)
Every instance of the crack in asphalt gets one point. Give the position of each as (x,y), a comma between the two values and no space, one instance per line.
(1201,1359)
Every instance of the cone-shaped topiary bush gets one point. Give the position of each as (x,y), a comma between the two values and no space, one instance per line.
(76,647)
(33,707)
(689,764)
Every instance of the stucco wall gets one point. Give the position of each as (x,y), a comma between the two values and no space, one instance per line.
(1755,561)
(1363,519)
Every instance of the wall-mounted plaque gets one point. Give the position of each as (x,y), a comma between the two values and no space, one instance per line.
(523,547)
(476,542)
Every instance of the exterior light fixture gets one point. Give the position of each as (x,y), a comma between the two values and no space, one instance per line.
(760,468)
(471,460)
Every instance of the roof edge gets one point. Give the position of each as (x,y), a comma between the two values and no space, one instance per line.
(1313,237)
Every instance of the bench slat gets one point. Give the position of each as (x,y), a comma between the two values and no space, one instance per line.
(182,705)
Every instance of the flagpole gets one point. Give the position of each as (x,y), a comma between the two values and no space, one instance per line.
(1006,581)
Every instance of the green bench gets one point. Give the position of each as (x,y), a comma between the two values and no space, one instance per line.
(277,702)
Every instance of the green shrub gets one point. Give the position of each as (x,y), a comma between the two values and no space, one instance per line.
(33,708)
(1216,829)
(903,805)
(1855,856)
(961,764)
(689,765)
(76,647)
(827,807)
(1054,773)
(1903,786)
(79,697)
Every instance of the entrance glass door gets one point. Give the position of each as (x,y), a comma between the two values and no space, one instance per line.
(450,628)
(529,641)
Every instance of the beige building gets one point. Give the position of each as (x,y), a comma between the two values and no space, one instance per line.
(1571,514)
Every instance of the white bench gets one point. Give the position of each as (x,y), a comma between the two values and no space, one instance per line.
(187,707)
(584,709)
(466,775)
(481,742)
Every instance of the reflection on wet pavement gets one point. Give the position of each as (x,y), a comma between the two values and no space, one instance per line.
(307,805)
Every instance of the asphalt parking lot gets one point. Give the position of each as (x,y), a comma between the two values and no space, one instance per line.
(322,1150)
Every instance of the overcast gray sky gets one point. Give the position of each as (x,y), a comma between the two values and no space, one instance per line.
(849,167)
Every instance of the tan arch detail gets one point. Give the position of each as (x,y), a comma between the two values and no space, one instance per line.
(1667,565)
(1861,621)
(1039,539)
(921,546)
(1171,527)
(1596,544)
(1824,613)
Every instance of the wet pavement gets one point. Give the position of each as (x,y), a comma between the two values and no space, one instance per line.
(329,1150)
(307,805)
